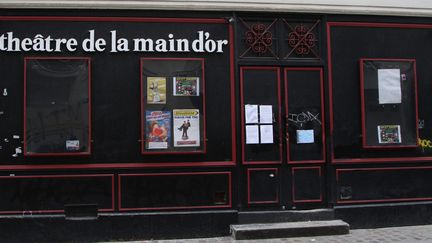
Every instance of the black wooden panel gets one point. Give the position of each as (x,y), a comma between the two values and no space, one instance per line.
(348,45)
(160,191)
(263,186)
(402,114)
(261,87)
(304,113)
(384,184)
(116,89)
(48,193)
(307,184)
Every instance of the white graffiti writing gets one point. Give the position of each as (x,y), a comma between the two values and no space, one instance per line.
(303,117)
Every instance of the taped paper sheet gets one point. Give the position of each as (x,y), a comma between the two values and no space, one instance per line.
(389,86)
(266,114)
(251,114)
(252,136)
(266,133)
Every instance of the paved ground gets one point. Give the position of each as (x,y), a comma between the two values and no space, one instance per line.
(422,233)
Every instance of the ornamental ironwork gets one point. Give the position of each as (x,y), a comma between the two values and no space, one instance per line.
(259,38)
(302,40)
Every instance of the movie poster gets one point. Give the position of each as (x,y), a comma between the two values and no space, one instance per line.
(158,129)
(186,128)
(389,134)
(186,86)
(156,90)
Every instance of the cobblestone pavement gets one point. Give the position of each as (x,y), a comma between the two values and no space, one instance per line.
(408,234)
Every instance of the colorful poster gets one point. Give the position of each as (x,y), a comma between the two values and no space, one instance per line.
(186,128)
(186,86)
(158,126)
(389,134)
(156,90)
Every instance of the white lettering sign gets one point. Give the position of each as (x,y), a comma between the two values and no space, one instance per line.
(203,43)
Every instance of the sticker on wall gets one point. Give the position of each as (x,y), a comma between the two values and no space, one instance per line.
(186,128)
(389,134)
(158,129)
(305,136)
(186,86)
(156,90)
(72,145)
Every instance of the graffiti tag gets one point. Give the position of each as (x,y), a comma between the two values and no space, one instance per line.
(424,143)
(303,117)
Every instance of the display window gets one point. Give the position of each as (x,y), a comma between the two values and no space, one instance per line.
(172,105)
(389,103)
(57,106)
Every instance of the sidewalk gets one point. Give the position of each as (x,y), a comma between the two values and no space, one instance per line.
(408,234)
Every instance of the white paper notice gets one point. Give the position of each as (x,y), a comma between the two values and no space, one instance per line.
(266,133)
(252,134)
(251,114)
(305,136)
(266,114)
(389,86)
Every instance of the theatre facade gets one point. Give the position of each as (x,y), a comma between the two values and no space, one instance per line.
(158,122)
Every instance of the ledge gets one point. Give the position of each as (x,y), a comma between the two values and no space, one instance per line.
(419,8)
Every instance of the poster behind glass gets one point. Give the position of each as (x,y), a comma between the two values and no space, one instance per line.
(57,106)
(172,105)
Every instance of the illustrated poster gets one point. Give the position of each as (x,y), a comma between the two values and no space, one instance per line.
(186,128)
(158,126)
(186,86)
(389,134)
(156,90)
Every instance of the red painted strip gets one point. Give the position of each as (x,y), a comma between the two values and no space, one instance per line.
(249,188)
(113,19)
(233,97)
(293,185)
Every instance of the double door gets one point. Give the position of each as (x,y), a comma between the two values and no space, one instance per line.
(283,136)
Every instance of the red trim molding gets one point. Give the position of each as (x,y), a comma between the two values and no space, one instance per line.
(249,201)
(318,200)
(113,19)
